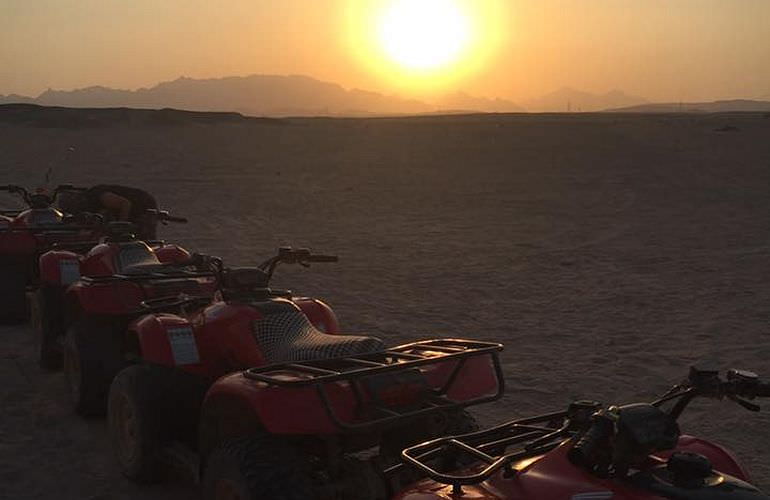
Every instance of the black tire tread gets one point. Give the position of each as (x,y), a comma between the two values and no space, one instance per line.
(100,357)
(142,384)
(264,467)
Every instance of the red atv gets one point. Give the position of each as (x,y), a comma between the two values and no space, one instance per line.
(26,234)
(259,382)
(58,300)
(86,303)
(634,451)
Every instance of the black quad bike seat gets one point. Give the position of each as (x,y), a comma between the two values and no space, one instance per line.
(285,334)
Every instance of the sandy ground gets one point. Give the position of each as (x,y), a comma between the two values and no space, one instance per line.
(607,252)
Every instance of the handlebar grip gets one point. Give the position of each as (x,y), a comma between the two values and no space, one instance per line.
(584,450)
(323,258)
(170,218)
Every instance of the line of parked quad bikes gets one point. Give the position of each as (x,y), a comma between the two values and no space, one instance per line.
(256,392)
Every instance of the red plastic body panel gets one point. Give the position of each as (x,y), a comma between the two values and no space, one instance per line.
(113,298)
(18,242)
(168,254)
(54,262)
(221,333)
(101,260)
(319,313)
(553,476)
(300,410)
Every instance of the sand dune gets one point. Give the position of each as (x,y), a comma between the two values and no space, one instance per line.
(608,252)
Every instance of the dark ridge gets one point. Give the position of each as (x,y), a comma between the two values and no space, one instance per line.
(33,115)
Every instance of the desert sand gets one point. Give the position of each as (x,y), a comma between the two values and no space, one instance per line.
(607,252)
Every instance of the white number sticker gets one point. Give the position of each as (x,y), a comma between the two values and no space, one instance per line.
(183,345)
(69,271)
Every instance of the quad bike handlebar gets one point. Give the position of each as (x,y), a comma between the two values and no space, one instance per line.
(737,386)
(607,441)
(41,198)
(289,255)
(163,216)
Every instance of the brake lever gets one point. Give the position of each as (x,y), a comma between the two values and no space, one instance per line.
(749,406)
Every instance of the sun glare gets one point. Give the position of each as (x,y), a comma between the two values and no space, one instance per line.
(423,34)
(424,46)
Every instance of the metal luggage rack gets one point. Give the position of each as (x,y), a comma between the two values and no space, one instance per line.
(48,228)
(356,369)
(149,276)
(531,437)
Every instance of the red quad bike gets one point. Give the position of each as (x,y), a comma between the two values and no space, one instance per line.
(628,452)
(26,234)
(262,398)
(84,324)
(59,300)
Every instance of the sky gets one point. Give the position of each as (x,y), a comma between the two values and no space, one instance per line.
(664,50)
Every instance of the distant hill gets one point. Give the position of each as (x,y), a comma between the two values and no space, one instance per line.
(263,95)
(260,95)
(568,99)
(460,101)
(735,105)
(58,117)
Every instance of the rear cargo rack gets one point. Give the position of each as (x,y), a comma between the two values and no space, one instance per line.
(355,369)
(530,438)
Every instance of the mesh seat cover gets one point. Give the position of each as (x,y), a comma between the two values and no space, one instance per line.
(285,334)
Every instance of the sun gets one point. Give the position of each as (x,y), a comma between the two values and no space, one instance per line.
(423,35)
(424,47)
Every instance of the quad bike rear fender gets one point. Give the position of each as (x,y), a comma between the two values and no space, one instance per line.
(319,313)
(366,392)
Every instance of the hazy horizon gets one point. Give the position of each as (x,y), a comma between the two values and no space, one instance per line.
(693,50)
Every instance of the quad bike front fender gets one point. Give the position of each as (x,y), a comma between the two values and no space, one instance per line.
(167,340)
(171,254)
(17,242)
(109,298)
(59,268)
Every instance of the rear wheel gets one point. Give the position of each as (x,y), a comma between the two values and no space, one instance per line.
(47,320)
(441,424)
(258,468)
(92,356)
(136,423)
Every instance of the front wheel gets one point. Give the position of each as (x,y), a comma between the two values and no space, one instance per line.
(136,415)
(13,290)
(92,356)
(258,467)
(47,319)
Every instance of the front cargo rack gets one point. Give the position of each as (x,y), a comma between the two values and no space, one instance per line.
(177,274)
(356,370)
(493,449)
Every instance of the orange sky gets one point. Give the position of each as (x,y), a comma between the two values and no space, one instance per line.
(659,49)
